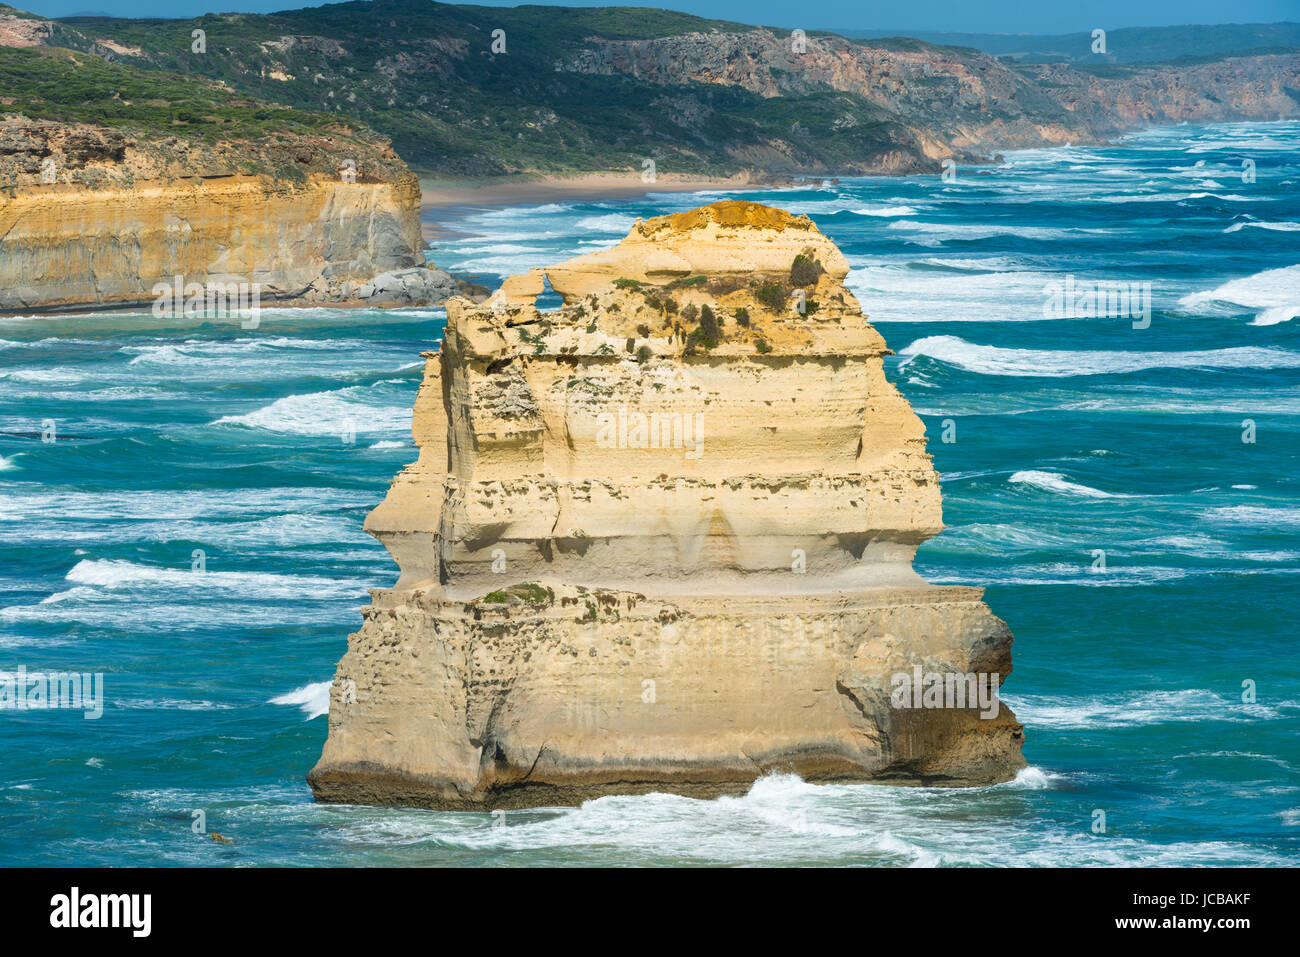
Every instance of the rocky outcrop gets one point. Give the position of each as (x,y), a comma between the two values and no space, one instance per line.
(661,538)
(96,218)
(704,96)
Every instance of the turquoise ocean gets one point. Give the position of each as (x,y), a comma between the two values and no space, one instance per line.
(1128,494)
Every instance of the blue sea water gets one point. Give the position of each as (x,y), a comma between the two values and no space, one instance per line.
(256,453)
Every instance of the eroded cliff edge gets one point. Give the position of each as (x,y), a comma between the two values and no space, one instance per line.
(114,182)
(661,538)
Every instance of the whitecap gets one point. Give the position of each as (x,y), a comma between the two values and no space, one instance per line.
(998,360)
(314,698)
(1056,482)
(97,578)
(1284,226)
(341,413)
(1274,295)
(1134,709)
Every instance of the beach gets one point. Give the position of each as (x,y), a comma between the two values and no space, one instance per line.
(445,200)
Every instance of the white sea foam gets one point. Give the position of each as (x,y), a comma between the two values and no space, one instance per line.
(314,698)
(124,614)
(853,205)
(935,233)
(339,413)
(1056,482)
(1286,227)
(97,576)
(1135,708)
(165,355)
(1077,574)
(1274,295)
(998,360)
(524,212)
(884,211)
(608,223)
(1035,779)
(983,537)
(171,704)
(1257,515)
(783,819)
(33,500)
(959,290)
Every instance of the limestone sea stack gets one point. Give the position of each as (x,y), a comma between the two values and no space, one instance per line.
(660,538)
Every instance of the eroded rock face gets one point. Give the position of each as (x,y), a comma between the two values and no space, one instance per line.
(661,538)
(94,219)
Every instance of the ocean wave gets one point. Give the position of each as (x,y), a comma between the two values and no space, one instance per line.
(517,212)
(983,537)
(854,206)
(124,615)
(607,223)
(1034,779)
(97,576)
(164,355)
(32,500)
(884,211)
(783,819)
(935,290)
(170,704)
(1256,515)
(1056,482)
(1032,363)
(1287,227)
(1135,709)
(1273,294)
(339,413)
(1166,197)
(60,375)
(942,232)
(1079,574)
(314,698)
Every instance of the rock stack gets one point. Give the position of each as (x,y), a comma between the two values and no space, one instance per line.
(659,537)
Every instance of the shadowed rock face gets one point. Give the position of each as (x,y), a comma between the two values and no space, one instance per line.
(661,538)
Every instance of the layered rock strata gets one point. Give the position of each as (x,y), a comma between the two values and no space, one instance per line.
(660,537)
(95,219)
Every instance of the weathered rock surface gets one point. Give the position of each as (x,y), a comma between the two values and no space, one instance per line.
(661,538)
(121,214)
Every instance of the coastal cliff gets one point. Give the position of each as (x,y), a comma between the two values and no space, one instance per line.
(661,538)
(101,203)
(693,95)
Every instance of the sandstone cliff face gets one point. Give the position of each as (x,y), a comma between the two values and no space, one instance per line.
(660,538)
(94,218)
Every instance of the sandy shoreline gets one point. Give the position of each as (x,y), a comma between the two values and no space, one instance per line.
(442,201)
